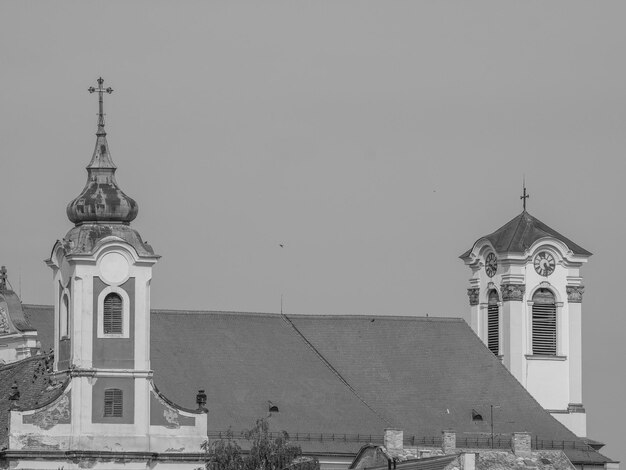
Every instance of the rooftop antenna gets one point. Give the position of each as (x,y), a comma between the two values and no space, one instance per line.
(491,419)
(524,195)
(281,245)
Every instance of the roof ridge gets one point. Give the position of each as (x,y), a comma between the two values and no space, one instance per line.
(343,316)
(310,315)
(519,222)
(21,362)
(351,316)
(203,312)
(333,370)
(37,305)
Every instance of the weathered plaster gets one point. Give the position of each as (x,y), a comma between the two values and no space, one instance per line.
(162,414)
(58,412)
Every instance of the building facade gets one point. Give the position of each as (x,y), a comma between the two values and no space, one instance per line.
(107,410)
(332,382)
(525,298)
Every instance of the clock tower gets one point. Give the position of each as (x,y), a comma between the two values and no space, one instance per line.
(525,297)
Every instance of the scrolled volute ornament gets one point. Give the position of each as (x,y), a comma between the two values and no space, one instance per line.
(513,292)
(575,294)
(473,293)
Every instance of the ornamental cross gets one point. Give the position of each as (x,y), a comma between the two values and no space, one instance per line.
(100,91)
(524,196)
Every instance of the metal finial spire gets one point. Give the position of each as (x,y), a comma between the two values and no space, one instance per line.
(101,200)
(524,196)
(100,91)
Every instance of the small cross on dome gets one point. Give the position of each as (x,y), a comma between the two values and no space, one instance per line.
(524,196)
(100,91)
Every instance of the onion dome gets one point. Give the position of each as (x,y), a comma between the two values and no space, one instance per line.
(102,200)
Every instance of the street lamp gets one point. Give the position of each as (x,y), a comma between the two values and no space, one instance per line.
(491,419)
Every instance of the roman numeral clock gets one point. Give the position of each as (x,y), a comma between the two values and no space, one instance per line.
(544,263)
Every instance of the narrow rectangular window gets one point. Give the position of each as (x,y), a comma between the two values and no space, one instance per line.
(493,329)
(544,323)
(493,323)
(112,316)
(113,403)
(65,317)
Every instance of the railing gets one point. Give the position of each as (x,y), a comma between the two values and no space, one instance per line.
(299,437)
(501,441)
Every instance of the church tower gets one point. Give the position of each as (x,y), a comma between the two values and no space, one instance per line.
(106,400)
(525,299)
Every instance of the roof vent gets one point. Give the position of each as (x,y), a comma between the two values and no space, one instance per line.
(272,408)
(476,416)
(14,394)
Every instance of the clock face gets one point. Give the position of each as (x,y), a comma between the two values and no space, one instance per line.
(491,264)
(544,263)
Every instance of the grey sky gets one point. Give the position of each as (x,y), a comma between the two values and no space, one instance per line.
(376,140)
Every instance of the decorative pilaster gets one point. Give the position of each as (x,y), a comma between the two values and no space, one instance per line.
(512,292)
(4,323)
(575,294)
(473,293)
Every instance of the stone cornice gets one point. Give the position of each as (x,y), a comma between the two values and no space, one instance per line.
(80,372)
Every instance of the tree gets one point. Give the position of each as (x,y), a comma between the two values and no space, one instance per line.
(268,451)
(224,454)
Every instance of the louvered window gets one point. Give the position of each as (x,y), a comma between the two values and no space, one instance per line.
(544,323)
(493,323)
(113,402)
(112,314)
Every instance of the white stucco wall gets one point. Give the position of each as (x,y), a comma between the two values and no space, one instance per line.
(555,382)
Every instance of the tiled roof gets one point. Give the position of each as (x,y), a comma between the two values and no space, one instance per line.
(33,383)
(521,232)
(336,375)
(14,310)
(41,317)
(428,463)
(538,460)
(438,462)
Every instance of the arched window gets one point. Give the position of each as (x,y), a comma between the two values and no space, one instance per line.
(64,317)
(544,323)
(113,402)
(493,322)
(112,314)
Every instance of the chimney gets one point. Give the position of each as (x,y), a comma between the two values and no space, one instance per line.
(468,461)
(394,439)
(201,400)
(520,442)
(448,441)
